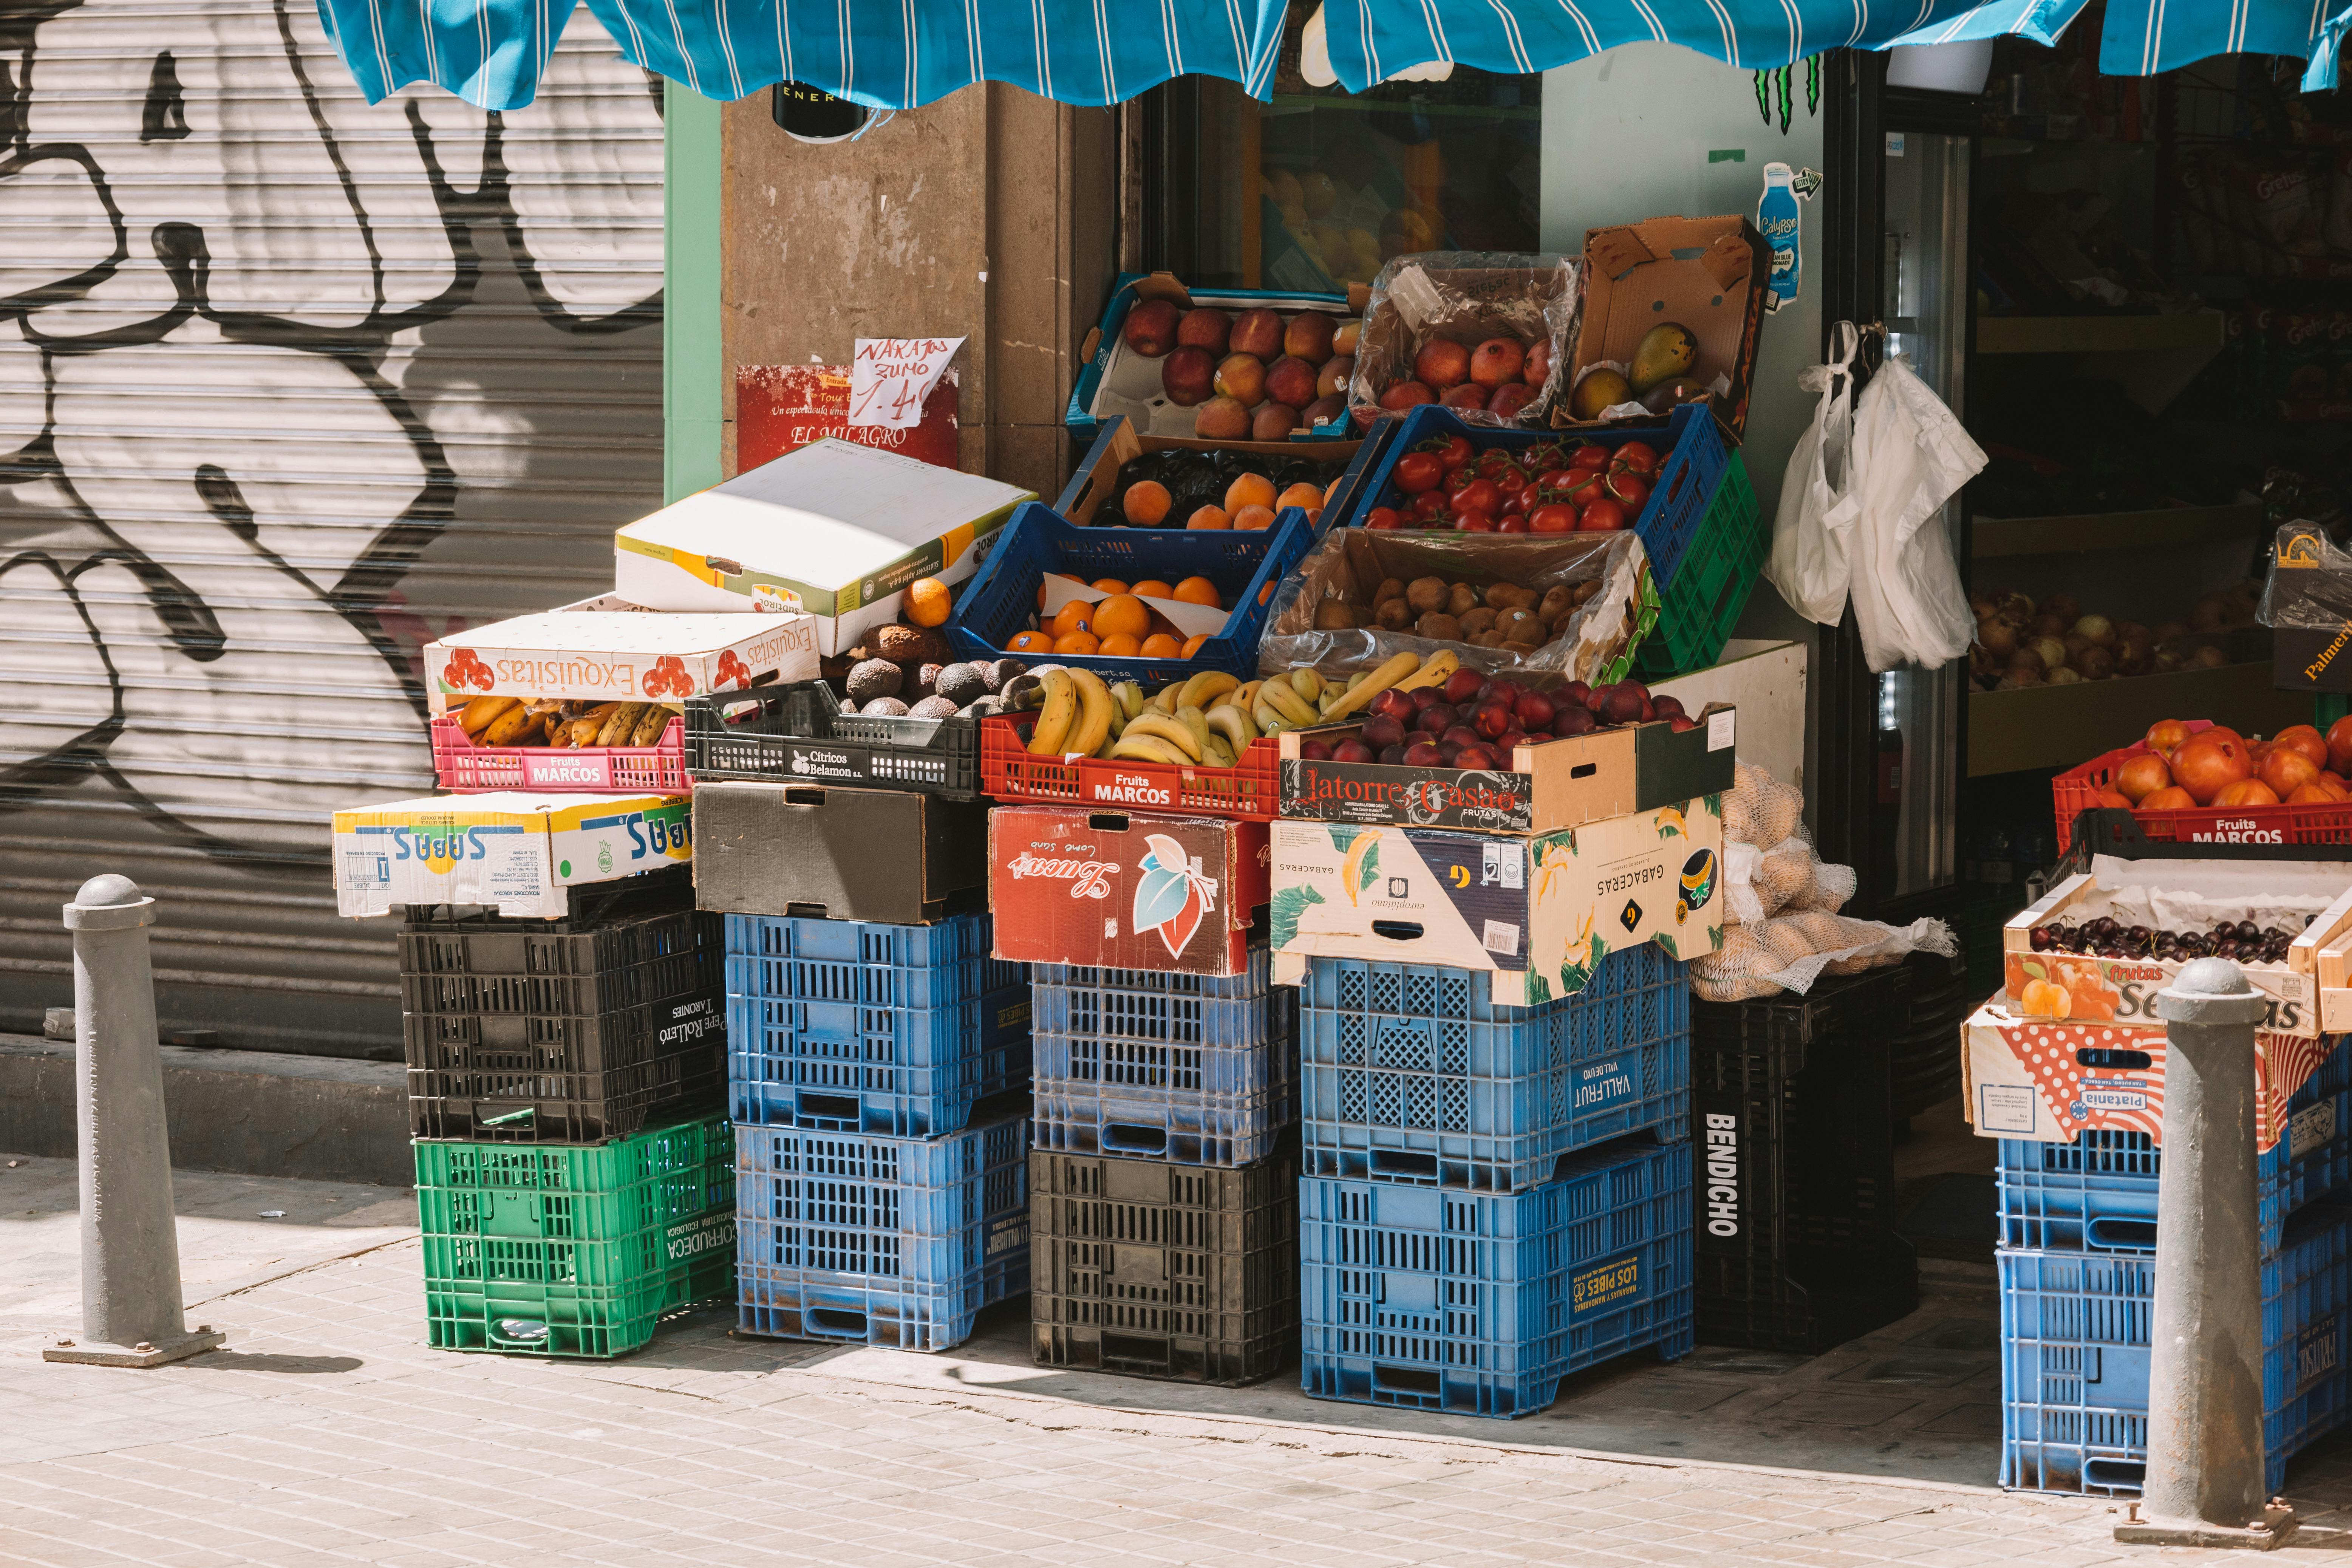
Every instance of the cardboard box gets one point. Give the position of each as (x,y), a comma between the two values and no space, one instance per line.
(1708,273)
(509,849)
(2050,1080)
(1091,488)
(1552,783)
(841,854)
(834,529)
(1125,889)
(607,649)
(2124,990)
(1539,913)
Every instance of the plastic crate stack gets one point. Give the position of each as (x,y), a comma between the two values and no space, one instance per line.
(1494,1197)
(877,1077)
(1164,1181)
(2076,1266)
(1793,1156)
(574,1179)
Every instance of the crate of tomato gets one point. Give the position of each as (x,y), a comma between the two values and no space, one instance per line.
(1683,492)
(2193,781)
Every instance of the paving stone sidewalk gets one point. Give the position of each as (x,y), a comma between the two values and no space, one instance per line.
(326,1434)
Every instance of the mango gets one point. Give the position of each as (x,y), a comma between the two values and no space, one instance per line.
(1667,350)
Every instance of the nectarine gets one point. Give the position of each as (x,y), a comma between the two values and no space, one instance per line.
(2206,766)
(2244,792)
(2142,776)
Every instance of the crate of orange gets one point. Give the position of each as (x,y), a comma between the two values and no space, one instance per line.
(2193,781)
(1135,583)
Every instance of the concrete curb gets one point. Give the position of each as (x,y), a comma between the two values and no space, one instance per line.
(323,1118)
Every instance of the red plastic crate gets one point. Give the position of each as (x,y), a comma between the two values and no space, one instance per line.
(464,768)
(1247,793)
(2077,791)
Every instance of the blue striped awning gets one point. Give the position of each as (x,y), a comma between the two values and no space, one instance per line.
(896,54)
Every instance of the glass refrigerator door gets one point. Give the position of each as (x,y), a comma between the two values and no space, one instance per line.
(1924,280)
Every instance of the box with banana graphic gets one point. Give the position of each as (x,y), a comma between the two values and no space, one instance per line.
(509,849)
(1539,913)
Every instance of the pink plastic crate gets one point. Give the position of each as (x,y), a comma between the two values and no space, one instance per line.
(464,768)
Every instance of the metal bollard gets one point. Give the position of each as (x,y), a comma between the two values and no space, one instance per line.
(2204,1484)
(130,1312)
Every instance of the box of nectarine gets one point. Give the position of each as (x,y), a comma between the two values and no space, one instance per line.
(2103,943)
(2049,1080)
(1542,783)
(1539,914)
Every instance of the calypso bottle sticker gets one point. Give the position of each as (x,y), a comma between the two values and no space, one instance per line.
(1778,220)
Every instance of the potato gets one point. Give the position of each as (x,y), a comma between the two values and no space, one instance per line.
(1427,594)
(1479,620)
(1460,600)
(1393,615)
(1334,616)
(1556,603)
(1390,588)
(1519,625)
(1438,627)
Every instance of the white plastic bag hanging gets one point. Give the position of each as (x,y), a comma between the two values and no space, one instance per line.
(1812,532)
(1910,457)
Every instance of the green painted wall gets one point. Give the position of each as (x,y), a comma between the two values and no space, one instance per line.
(691,406)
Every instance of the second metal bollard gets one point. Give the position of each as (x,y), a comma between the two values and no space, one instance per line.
(2205,1462)
(131,1311)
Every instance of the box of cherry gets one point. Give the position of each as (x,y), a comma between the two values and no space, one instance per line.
(1490,755)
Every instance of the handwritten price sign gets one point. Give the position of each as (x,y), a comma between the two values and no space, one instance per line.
(891,376)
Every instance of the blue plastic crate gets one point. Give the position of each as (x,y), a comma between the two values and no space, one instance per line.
(1408,1072)
(1692,457)
(2074,1329)
(897,1072)
(1244,564)
(2098,1192)
(896,1242)
(809,959)
(1189,1068)
(1478,1303)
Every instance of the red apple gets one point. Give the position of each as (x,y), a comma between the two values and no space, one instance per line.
(1441,362)
(1496,360)
(1257,333)
(1151,328)
(1206,328)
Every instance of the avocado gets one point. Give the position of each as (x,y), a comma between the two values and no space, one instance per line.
(884,708)
(1001,671)
(962,683)
(876,677)
(1665,351)
(1662,398)
(932,708)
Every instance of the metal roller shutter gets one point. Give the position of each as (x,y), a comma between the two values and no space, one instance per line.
(288,386)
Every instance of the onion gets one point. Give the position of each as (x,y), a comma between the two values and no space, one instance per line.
(2064,605)
(2016,606)
(2098,628)
(2019,675)
(2169,659)
(2050,651)
(2063,676)
(2166,630)
(1999,637)
(2132,631)
(2134,657)
(2095,663)
(2205,615)
(2208,657)
(1980,606)
(2075,643)
(2046,625)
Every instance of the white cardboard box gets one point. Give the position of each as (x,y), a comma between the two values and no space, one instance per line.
(514,850)
(833,529)
(609,649)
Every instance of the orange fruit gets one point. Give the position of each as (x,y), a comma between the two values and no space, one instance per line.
(1300,495)
(1041,595)
(1030,642)
(1265,593)
(1253,517)
(1209,517)
(1075,617)
(1121,644)
(926,602)
(1146,503)
(1192,645)
(1121,613)
(1079,641)
(1109,585)
(1152,588)
(1249,489)
(1198,590)
(1160,645)
(1314,516)
(1330,490)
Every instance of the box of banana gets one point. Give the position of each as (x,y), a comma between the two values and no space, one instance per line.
(1205,743)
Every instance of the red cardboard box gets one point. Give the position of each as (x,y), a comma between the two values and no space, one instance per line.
(1119,889)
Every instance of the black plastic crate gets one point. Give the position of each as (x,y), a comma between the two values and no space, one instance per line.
(1809,1301)
(798,734)
(1188,1273)
(1793,1152)
(1923,1062)
(564,1031)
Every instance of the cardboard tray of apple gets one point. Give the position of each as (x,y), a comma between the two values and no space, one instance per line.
(1486,753)
(2192,780)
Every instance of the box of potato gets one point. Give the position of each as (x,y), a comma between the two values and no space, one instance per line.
(513,851)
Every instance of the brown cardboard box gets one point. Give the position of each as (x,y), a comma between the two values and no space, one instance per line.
(843,854)
(1708,273)
(1120,890)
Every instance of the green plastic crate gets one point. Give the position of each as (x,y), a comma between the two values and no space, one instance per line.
(578,1250)
(1719,570)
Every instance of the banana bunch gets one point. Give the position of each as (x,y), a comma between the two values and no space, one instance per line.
(546,721)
